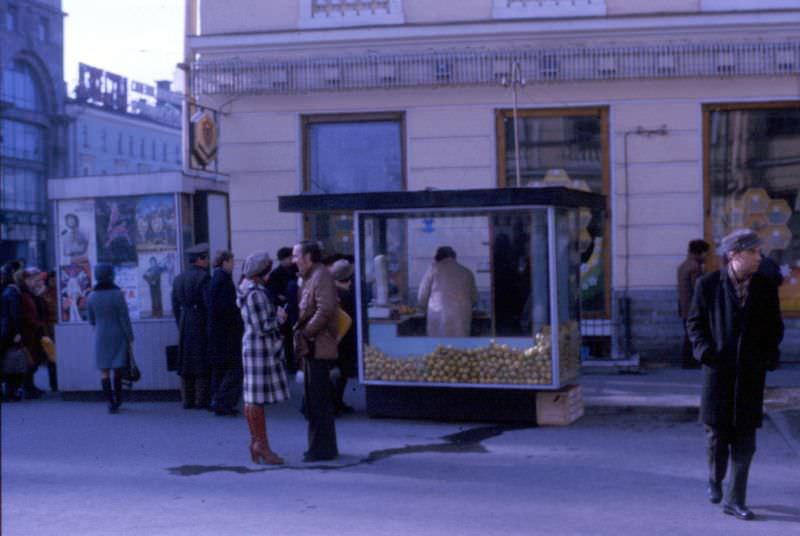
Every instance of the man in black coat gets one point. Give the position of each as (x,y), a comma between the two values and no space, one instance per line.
(735,327)
(189,305)
(225,330)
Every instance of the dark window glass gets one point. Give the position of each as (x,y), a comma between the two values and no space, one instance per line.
(754,165)
(21,88)
(565,150)
(350,156)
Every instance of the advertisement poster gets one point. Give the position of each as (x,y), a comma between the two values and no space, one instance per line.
(156,272)
(76,283)
(156,226)
(126,278)
(76,220)
(115,220)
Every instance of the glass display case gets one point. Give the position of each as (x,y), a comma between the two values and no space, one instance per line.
(466,289)
(469,297)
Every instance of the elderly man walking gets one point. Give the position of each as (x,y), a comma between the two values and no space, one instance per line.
(735,327)
(315,344)
(190,306)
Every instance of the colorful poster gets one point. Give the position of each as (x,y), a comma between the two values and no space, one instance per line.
(156,272)
(115,221)
(156,226)
(76,283)
(76,232)
(126,278)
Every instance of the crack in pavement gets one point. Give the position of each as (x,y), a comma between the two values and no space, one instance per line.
(464,442)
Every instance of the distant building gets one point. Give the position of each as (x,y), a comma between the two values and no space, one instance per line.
(33,128)
(107,141)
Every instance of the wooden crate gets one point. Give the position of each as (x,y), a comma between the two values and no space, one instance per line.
(559,408)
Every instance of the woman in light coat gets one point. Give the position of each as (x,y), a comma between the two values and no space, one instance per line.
(113,335)
(265,380)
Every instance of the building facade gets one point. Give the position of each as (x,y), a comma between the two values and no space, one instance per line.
(684,113)
(33,128)
(103,141)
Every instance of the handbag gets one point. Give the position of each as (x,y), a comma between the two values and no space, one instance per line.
(49,348)
(172,357)
(15,360)
(132,372)
(343,323)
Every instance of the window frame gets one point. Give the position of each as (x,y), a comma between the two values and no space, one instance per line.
(605,148)
(713,262)
(368,117)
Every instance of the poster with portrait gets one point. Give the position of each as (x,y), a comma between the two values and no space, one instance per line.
(126,278)
(76,283)
(115,222)
(76,232)
(156,226)
(156,271)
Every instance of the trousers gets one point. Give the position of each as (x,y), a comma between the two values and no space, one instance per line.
(319,409)
(738,445)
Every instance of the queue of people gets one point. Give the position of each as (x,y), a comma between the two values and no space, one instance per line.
(26,331)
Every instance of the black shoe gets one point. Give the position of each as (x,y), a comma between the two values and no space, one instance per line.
(188,405)
(226,412)
(33,393)
(715,493)
(739,512)
(344,408)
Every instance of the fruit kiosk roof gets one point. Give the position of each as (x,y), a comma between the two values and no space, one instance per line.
(436,199)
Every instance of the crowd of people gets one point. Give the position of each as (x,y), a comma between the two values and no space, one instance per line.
(28,311)
(245,340)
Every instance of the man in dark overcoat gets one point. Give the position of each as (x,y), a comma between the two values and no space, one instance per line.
(225,331)
(735,327)
(190,307)
(689,271)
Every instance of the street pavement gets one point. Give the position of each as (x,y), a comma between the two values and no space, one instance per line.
(633,465)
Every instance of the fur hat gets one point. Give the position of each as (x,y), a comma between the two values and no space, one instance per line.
(256,263)
(341,270)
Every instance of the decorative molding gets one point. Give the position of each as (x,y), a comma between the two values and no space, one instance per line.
(486,67)
(518,9)
(345,13)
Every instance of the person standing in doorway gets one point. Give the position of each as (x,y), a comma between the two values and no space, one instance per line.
(315,345)
(225,330)
(689,271)
(189,305)
(735,326)
(113,334)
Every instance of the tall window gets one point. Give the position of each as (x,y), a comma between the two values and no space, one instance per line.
(130,145)
(85,136)
(22,184)
(43,30)
(21,88)
(350,153)
(12,18)
(567,147)
(752,173)
(104,140)
(119,143)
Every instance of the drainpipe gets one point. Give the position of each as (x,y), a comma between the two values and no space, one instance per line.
(638,131)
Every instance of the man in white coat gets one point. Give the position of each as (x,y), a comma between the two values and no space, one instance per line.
(448,293)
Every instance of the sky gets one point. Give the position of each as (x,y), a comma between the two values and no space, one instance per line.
(141,40)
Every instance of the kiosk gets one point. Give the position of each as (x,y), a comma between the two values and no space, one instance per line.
(472,337)
(141,224)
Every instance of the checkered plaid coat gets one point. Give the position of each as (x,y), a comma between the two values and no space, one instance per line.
(262,347)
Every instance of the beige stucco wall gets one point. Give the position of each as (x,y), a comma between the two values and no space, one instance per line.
(630,7)
(450,143)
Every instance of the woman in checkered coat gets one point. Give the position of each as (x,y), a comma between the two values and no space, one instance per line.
(262,354)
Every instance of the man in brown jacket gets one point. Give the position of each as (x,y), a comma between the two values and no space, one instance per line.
(315,344)
(689,272)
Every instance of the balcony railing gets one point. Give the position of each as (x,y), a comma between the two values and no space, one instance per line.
(489,67)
